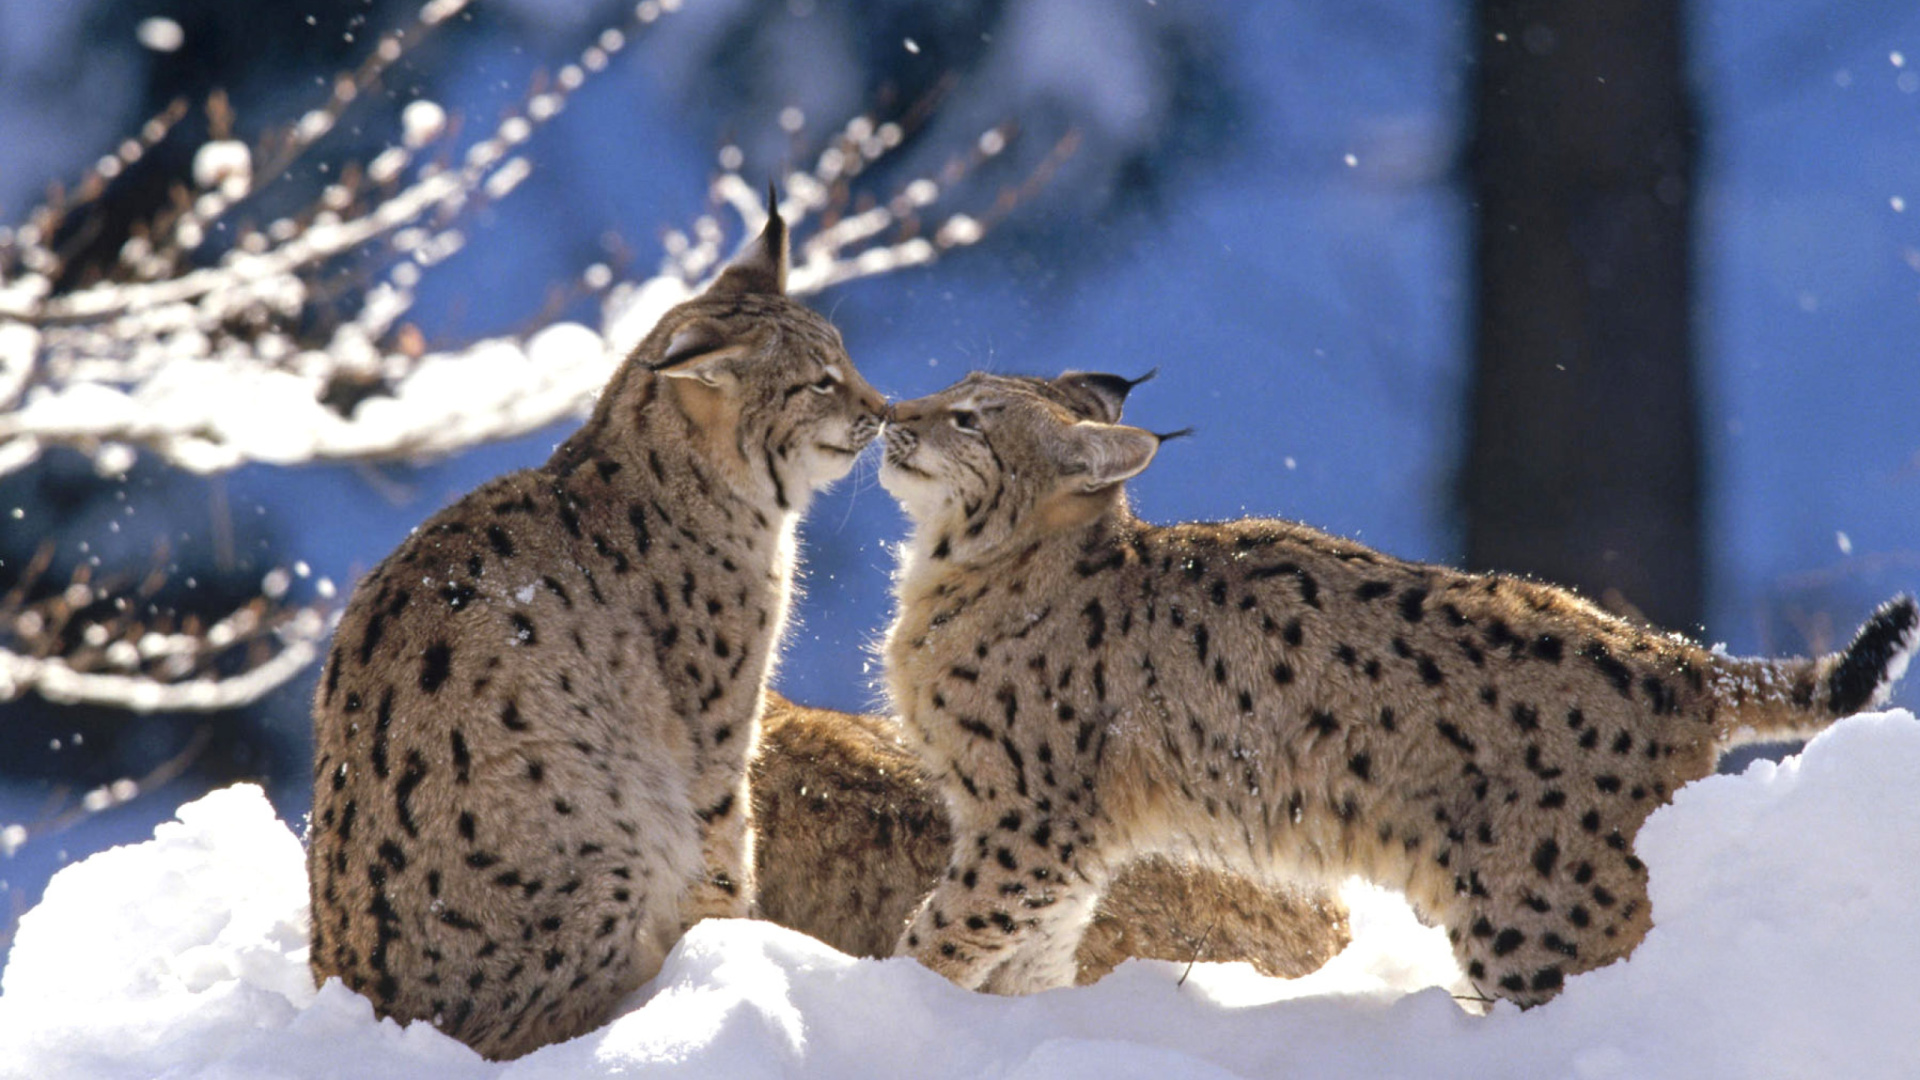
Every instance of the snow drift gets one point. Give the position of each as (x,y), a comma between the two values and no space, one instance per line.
(1786,902)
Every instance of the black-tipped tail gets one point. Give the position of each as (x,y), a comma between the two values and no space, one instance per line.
(1876,659)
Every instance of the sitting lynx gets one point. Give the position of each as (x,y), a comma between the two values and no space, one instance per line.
(533,730)
(849,837)
(1085,688)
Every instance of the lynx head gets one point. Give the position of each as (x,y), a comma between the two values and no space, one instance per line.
(764,383)
(995,458)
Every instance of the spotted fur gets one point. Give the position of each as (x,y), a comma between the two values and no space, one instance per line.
(1086,688)
(533,729)
(850,837)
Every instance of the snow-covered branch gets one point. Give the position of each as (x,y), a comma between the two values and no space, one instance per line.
(214,362)
(114,647)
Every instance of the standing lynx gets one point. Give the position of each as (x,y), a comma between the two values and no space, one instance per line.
(533,729)
(1085,687)
(850,836)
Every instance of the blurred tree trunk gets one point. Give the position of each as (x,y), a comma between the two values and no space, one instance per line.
(1583,466)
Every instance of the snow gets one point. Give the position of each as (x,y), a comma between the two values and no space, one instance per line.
(226,164)
(1785,900)
(422,122)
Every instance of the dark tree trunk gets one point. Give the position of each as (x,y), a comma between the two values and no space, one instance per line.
(1583,466)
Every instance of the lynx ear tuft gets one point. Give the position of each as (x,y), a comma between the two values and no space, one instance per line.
(1098,456)
(1107,394)
(761,266)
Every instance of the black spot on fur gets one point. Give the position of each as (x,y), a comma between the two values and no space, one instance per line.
(1507,941)
(333,674)
(462,758)
(1413,604)
(502,543)
(1545,855)
(435,664)
(1452,733)
(1096,616)
(370,639)
(415,772)
(382,725)
(1616,672)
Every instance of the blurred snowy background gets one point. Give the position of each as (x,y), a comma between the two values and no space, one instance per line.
(1270,202)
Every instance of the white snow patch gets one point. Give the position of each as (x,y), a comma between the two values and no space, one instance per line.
(1785,898)
(160,34)
(421,122)
(226,164)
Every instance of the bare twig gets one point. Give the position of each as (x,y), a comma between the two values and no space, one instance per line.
(1198,948)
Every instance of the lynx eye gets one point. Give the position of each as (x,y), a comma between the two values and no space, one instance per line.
(826,382)
(964,419)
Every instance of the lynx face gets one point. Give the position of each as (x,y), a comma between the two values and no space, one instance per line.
(769,385)
(995,458)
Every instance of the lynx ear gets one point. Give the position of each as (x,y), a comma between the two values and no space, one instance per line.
(699,353)
(690,340)
(1106,394)
(761,267)
(706,390)
(1097,456)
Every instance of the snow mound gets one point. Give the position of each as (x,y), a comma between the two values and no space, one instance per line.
(1785,898)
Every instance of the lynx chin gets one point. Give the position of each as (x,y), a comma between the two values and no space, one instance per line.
(532,733)
(1085,688)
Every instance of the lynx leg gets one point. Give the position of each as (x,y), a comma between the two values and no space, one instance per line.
(1049,955)
(989,911)
(726,891)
